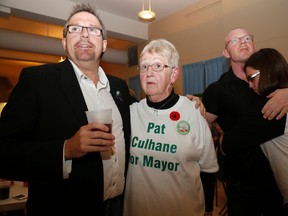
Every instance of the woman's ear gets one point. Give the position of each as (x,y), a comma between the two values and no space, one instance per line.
(174,75)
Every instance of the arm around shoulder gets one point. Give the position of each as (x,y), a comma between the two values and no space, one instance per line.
(277,106)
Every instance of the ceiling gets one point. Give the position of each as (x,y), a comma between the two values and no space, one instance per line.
(119,16)
(130,8)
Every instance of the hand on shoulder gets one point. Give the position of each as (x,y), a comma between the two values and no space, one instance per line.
(277,106)
(198,104)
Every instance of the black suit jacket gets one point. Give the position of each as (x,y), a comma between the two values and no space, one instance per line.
(45,108)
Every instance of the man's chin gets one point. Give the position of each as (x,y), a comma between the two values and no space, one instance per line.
(85,57)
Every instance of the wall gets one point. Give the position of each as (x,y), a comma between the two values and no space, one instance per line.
(198,32)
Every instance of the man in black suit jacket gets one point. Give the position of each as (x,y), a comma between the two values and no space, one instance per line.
(45,138)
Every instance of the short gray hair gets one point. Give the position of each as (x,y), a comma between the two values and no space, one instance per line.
(163,48)
(85,8)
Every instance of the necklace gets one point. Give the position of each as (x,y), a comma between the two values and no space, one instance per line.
(156,110)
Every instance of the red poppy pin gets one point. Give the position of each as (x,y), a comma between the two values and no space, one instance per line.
(174,116)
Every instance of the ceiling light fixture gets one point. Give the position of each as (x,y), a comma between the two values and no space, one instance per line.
(146,15)
(61,59)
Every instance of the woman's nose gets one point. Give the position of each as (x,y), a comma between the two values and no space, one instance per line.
(149,71)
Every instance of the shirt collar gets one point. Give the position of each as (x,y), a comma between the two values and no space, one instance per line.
(103,80)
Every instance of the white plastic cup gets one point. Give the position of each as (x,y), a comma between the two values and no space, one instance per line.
(103,116)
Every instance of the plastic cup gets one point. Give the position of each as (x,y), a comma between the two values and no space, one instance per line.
(103,116)
(4,189)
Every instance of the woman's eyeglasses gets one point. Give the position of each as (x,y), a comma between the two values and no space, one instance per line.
(156,67)
(251,77)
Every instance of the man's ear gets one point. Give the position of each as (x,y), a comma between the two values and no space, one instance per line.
(64,43)
(104,42)
(254,46)
(226,53)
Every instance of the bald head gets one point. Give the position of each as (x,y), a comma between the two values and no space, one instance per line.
(237,32)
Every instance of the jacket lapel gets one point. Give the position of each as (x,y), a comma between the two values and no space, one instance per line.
(73,91)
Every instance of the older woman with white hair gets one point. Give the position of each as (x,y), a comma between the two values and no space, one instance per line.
(171,142)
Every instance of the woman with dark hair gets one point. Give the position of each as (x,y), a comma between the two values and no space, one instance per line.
(266,71)
(272,68)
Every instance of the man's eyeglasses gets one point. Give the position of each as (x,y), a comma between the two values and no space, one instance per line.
(236,40)
(77,29)
(251,77)
(156,67)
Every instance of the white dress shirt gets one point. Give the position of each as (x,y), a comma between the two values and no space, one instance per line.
(98,97)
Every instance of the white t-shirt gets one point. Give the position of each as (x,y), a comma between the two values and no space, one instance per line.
(168,150)
(276,150)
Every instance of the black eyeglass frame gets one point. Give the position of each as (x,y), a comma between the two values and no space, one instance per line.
(83,27)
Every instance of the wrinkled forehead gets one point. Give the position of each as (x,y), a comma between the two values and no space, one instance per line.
(236,33)
(150,55)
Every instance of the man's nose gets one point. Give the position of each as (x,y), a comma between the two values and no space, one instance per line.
(84,33)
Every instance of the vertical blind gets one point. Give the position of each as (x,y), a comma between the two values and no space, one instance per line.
(197,76)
